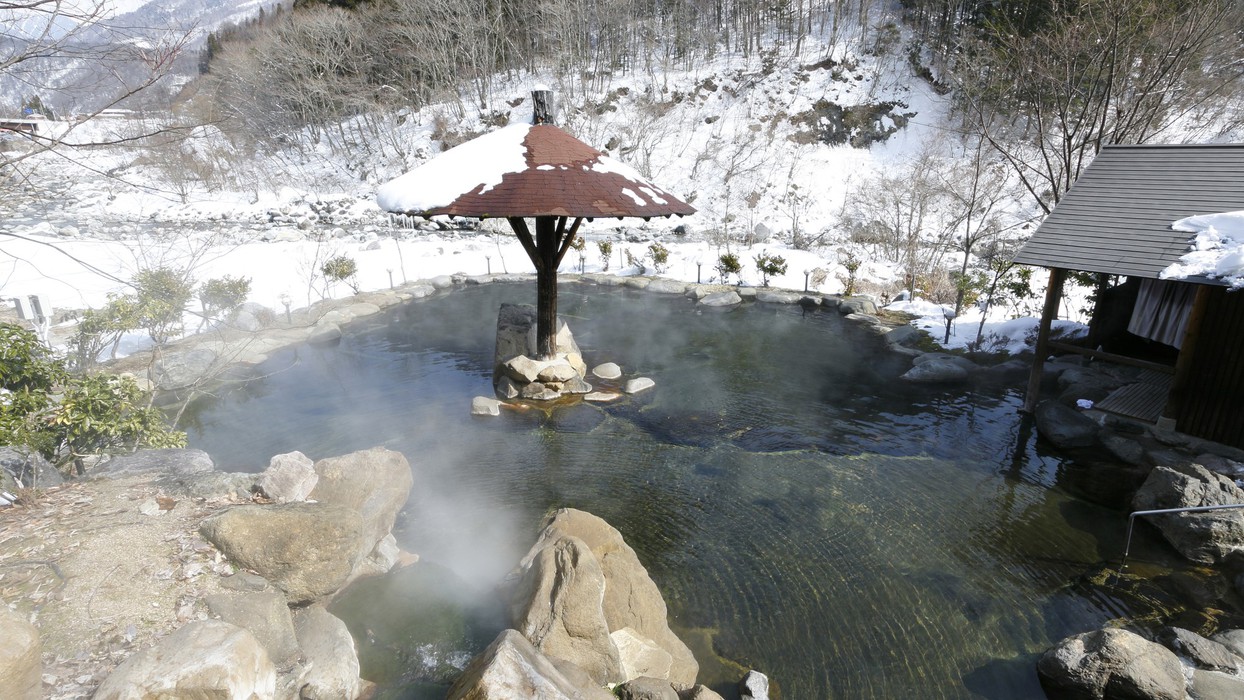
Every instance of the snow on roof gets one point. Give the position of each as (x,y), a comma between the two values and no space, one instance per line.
(525,170)
(1217,248)
(478,163)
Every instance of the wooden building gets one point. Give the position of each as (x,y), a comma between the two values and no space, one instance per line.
(1187,336)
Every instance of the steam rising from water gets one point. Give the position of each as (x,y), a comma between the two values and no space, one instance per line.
(856,537)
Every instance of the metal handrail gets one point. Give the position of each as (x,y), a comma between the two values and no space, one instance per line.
(1131,522)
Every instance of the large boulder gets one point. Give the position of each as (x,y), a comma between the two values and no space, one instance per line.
(172,461)
(1233,639)
(645,688)
(512,668)
(1200,652)
(769,296)
(1213,685)
(1078,383)
(182,369)
(1207,537)
(516,334)
(945,357)
(203,660)
(936,372)
(557,607)
(332,664)
(640,656)
(264,614)
(1064,426)
(631,597)
(20,667)
(289,478)
(29,468)
(308,550)
(662,285)
(699,692)
(374,482)
(719,300)
(1111,663)
(857,305)
(252,317)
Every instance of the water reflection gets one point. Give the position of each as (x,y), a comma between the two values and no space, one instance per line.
(803,511)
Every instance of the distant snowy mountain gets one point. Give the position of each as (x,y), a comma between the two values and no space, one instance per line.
(88,72)
(199,17)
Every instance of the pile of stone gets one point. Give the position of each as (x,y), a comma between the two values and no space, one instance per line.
(516,375)
(519,377)
(1117,663)
(321,525)
(586,616)
(1175,662)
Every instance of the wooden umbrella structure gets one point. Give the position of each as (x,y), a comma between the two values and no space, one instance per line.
(531,171)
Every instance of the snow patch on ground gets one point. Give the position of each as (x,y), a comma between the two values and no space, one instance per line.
(997,333)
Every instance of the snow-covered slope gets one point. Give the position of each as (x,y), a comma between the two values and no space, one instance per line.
(87,71)
(760,146)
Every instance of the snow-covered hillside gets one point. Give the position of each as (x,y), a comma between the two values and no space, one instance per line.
(776,151)
(78,56)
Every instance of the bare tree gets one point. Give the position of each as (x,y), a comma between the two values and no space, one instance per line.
(39,38)
(907,216)
(979,186)
(1110,71)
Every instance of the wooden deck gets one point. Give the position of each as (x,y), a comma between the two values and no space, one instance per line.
(1144,399)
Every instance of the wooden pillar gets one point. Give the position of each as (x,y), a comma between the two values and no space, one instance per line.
(1187,353)
(546,286)
(1053,294)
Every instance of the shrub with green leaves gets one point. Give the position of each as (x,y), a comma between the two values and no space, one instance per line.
(67,417)
(770,266)
(220,295)
(162,294)
(341,268)
(107,413)
(851,263)
(660,256)
(29,375)
(606,252)
(728,264)
(101,328)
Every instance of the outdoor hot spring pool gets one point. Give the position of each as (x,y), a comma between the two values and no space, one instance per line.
(803,511)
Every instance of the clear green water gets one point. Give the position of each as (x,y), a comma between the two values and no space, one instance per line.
(803,511)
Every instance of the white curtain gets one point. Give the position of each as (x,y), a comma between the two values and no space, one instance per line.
(1162,310)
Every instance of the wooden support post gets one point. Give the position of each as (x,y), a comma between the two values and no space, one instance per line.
(546,286)
(569,238)
(1053,294)
(1187,352)
(545,251)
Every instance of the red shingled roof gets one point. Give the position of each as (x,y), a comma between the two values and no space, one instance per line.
(565,177)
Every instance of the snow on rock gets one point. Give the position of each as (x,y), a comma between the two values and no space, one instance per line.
(1217,248)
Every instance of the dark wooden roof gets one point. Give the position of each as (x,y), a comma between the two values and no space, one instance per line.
(564,177)
(1117,217)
